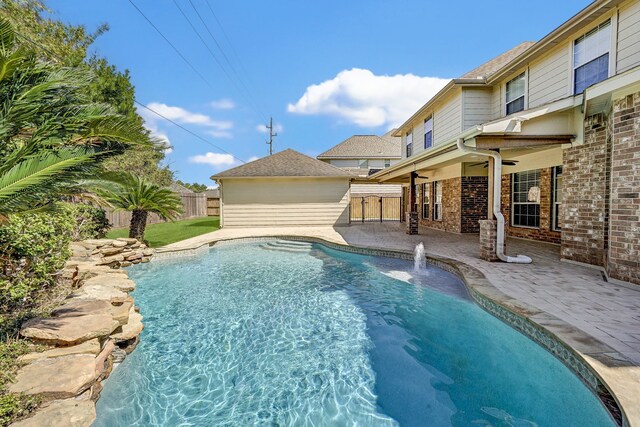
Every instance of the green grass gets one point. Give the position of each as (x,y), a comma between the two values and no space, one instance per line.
(170,232)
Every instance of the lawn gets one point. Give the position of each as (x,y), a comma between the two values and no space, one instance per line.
(170,232)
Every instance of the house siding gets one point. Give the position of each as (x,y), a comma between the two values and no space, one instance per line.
(477,106)
(549,77)
(496,102)
(628,48)
(447,120)
(285,202)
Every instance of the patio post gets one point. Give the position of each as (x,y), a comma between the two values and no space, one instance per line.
(412,215)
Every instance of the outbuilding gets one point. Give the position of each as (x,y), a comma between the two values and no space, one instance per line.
(284,189)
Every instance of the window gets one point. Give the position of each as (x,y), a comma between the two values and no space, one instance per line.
(387,163)
(409,140)
(417,190)
(363,164)
(557,198)
(515,94)
(428,132)
(437,201)
(591,57)
(425,201)
(525,199)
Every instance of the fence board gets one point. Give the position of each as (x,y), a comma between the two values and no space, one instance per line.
(193,204)
(213,206)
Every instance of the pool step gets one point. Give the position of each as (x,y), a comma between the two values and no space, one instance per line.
(285,246)
(293,244)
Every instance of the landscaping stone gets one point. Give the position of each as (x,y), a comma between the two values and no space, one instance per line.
(131,329)
(134,256)
(110,260)
(99,291)
(127,240)
(62,413)
(83,307)
(56,378)
(121,283)
(69,330)
(145,259)
(118,244)
(89,347)
(147,252)
(106,251)
(126,263)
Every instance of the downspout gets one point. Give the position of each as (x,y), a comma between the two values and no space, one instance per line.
(497,188)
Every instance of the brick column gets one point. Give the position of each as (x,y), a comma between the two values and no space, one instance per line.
(624,225)
(488,235)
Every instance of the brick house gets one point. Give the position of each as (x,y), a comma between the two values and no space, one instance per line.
(563,115)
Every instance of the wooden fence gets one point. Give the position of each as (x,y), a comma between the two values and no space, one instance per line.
(375,208)
(193,204)
(213,206)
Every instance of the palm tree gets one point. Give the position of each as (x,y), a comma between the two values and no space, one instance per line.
(51,135)
(128,192)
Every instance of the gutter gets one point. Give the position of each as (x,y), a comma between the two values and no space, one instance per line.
(497,197)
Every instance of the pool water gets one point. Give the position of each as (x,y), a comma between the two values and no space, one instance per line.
(249,334)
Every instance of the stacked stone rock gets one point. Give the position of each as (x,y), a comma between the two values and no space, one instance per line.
(93,330)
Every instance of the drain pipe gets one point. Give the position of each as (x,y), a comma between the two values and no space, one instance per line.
(497,184)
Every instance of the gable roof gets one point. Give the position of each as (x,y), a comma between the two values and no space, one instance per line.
(365,147)
(179,188)
(490,67)
(287,163)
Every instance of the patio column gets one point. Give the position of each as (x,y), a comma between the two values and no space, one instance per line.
(490,167)
(412,215)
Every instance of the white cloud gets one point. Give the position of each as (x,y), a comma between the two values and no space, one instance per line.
(223,104)
(358,96)
(213,159)
(277,128)
(181,115)
(252,158)
(220,134)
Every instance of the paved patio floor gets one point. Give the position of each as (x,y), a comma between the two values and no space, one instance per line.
(574,293)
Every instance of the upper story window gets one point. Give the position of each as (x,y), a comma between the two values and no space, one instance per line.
(387,163)
(428,132)
(515,94)
(409,140)
(363,164)
(591,57)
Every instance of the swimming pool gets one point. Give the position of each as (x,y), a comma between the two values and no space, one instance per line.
(300,334)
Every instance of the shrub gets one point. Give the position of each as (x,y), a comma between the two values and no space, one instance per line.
(33,248)
(91,222)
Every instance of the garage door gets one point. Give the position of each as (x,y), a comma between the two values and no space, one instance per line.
(285,202)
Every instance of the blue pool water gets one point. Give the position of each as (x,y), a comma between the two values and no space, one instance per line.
(248,335)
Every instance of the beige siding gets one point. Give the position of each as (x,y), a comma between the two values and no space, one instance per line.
(496,102)
(345,163)
(549,77)
(628,53)
(285,202)
(418,137)
(376,189)
(447,120)
(477,106)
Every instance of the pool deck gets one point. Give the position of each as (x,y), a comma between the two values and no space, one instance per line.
(598,319)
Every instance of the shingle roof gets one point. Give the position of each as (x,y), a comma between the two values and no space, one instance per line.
(365,147)
(283,164)
(490,67)
(179,188)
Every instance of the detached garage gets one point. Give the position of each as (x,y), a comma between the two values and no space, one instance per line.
(284,189)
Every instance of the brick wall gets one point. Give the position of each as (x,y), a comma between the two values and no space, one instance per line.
(451,207)
(624,237)
(475,198)
(585,195)
(543,233)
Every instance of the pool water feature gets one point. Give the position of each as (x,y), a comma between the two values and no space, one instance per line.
(291,333)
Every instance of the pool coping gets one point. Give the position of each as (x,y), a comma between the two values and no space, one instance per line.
(608,374)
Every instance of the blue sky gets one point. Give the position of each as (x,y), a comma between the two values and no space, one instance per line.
(324,70)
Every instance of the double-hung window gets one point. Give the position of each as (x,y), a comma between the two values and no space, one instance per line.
(417,193)
(525,199)
(425,201)
(387,163)
(437,201)
(557,198)
(428,132)
(515,94)
(409,140)
(591,57)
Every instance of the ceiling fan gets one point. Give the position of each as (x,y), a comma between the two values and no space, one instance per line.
(504,162)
